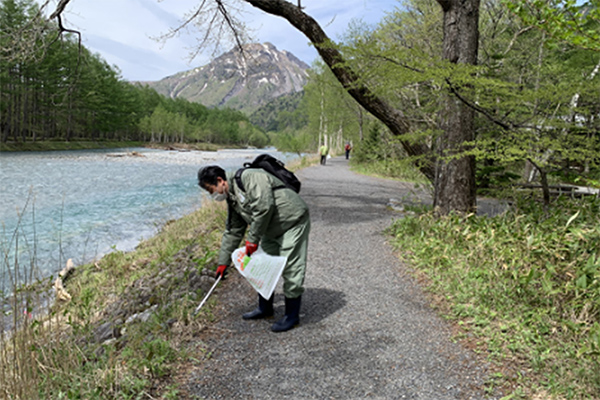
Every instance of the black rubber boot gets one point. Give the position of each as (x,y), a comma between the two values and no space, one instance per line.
(264,309)
(291,317)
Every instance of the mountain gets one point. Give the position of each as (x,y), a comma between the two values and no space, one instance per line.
(242,82)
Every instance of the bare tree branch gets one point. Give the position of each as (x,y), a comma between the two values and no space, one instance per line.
(475,107)
(60,8)
(23,43)
(217,22)
(58,12)
(231,25)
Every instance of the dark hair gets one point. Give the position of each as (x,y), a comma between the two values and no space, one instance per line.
(208,175)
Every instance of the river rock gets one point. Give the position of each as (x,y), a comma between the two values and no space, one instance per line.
(143,316)
(106,331)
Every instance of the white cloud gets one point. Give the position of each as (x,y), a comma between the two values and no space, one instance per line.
(121,31)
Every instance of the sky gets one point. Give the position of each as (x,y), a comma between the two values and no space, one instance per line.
(122,31)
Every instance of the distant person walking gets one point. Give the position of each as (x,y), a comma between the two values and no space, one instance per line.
(348,147)
(323,151)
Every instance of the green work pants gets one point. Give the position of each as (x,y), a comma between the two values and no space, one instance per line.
(293,244)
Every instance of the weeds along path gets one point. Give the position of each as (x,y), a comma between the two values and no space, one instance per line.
(366,329)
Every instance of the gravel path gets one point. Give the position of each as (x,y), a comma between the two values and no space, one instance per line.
(366,330)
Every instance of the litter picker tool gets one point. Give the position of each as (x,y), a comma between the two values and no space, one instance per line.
(207,296)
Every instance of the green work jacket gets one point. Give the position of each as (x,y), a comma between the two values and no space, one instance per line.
(260,208)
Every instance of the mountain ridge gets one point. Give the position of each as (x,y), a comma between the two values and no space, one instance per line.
(243,82)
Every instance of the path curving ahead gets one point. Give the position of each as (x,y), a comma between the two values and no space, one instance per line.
(366,329)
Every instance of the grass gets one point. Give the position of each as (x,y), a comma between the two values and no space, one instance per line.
(57,355)
(56,145)
(523,286)
(52,145)
(400,170)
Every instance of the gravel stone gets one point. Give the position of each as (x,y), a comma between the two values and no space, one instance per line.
(366,329)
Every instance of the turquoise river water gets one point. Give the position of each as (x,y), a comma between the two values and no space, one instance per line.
(80,205)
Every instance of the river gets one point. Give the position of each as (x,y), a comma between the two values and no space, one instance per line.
(80,205)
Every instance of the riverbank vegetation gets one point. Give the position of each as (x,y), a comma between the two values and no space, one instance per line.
(522,287)
(123,324)
(54,145)
(59,145)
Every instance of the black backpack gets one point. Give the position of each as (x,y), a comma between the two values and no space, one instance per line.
(272,166)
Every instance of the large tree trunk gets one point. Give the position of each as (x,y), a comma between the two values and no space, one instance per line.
(455,175)
(391,117)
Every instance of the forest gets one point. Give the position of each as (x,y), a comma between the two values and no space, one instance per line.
(53,88)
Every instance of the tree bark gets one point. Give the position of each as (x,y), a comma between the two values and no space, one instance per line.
(391,117)
(455,173)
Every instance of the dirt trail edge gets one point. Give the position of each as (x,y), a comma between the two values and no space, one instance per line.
(366,330)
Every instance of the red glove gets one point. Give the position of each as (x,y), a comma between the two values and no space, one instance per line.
(250,248)
(221,270)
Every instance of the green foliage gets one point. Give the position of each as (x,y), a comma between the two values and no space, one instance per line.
(547,88)
(153,356)
(380,146)
(493,176)
(298,143)
(281,114)
(380,154)
(400,169)
(331,111)
(373,147)
(258,139)
(574,22)
(525,282)
(55,145)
